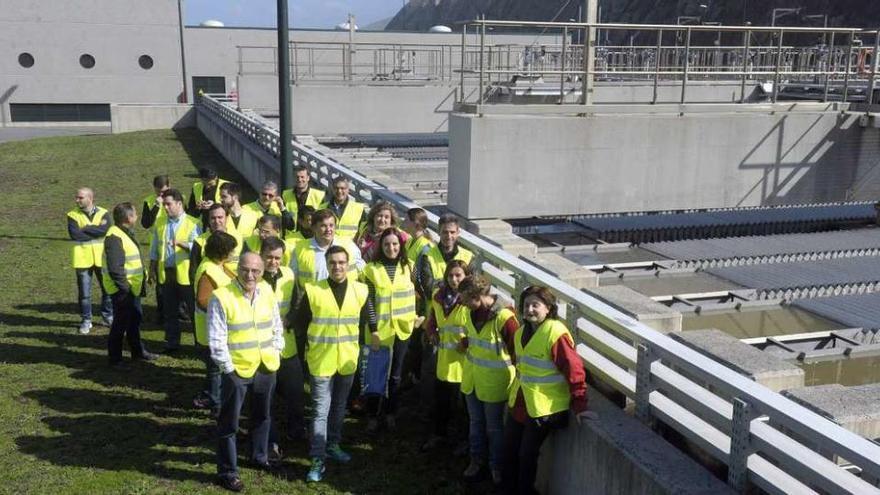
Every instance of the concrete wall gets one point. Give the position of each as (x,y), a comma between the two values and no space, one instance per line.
(128,118)
(637,161)
(115,32)
(251,161)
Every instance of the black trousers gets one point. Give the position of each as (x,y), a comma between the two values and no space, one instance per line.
(522,444)
(126,324)
(233,391)
(445,396)
(378,405)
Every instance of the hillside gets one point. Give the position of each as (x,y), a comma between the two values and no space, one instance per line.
(419,15)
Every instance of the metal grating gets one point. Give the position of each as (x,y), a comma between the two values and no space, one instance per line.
(727,223)
(856,311)
(770,245)
(822,273)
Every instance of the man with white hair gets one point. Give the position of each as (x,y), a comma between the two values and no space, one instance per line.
(87,226)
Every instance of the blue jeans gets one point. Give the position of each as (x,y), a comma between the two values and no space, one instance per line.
(84,290)
(329,395)
(212,377)
(486,422)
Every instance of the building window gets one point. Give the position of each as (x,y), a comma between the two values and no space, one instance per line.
(26,60)
(60,112)
(86,61)
(146,62)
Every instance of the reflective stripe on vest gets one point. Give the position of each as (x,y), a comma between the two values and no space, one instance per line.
(185,228)
(250,337)
(133,266)
(395,302)
(86,254)
(489,372)
(348,224)
(220,278)
(333,332)
(306,253)
(544,387)
(450,362)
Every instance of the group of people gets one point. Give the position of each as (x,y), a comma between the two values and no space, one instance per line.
(302,285)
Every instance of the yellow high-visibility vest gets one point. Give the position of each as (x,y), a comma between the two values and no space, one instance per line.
(415,246)
(257,208)
(451,328)
(221,279)
(181,256)
(232,264)
(314,198)
(250,336)
(438,265)
(247,223)
(488,370)
(348,225)
(198,190)
(149,202)
(283,294)
(395,301)
(86,254)
(306,253)
(333,332)
(134,266)
(254,244)
(544,388)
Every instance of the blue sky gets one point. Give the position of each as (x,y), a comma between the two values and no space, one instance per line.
(303,13)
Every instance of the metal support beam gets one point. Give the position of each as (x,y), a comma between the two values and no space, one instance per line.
(778,65)
(183,51)
(740,446)
(591,8)
(644,385)
(285,150)
(687,65)
(747,41)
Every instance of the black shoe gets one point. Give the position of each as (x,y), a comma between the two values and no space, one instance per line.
(146,356)
(170,351)
(231,483)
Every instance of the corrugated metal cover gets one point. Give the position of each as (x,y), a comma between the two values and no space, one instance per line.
(857,311)
(803,274)
(401,139)
(752,246)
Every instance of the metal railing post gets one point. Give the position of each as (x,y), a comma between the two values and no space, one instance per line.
(657,64)
(482,49)
(747,41)
(644,384)
(562,66)
(778,65)
(461,72)
(829,69)
(687,63)
(740,446)
(852,44)
(870,96)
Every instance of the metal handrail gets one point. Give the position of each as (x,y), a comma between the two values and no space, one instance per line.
(757,433)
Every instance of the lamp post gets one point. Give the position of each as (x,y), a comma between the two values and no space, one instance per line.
(285,156)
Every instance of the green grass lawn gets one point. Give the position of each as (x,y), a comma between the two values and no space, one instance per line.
(70,425)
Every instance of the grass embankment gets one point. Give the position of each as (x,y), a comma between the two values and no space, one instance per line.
(68,424)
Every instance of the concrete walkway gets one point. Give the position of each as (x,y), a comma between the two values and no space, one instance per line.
(8,134)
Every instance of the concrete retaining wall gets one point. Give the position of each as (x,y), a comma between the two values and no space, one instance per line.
(251,161)
(636,161)
(128,118)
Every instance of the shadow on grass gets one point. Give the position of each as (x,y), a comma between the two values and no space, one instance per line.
(203,155)
(121,443)
(20,320)
(35,237)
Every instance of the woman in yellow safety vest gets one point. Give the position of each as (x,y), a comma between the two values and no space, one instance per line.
(389,280)
(488,372)
(211,274)
(550,381)
(444,331)
(382,216)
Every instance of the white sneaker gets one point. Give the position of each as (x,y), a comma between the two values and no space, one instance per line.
(85,327)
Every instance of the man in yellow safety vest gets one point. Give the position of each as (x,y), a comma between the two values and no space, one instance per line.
(123,273)
(245,338)
(170,247)
(87,225)
(350,214)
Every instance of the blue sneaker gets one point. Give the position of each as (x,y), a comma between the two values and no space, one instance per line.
(336,453)
(316,472)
